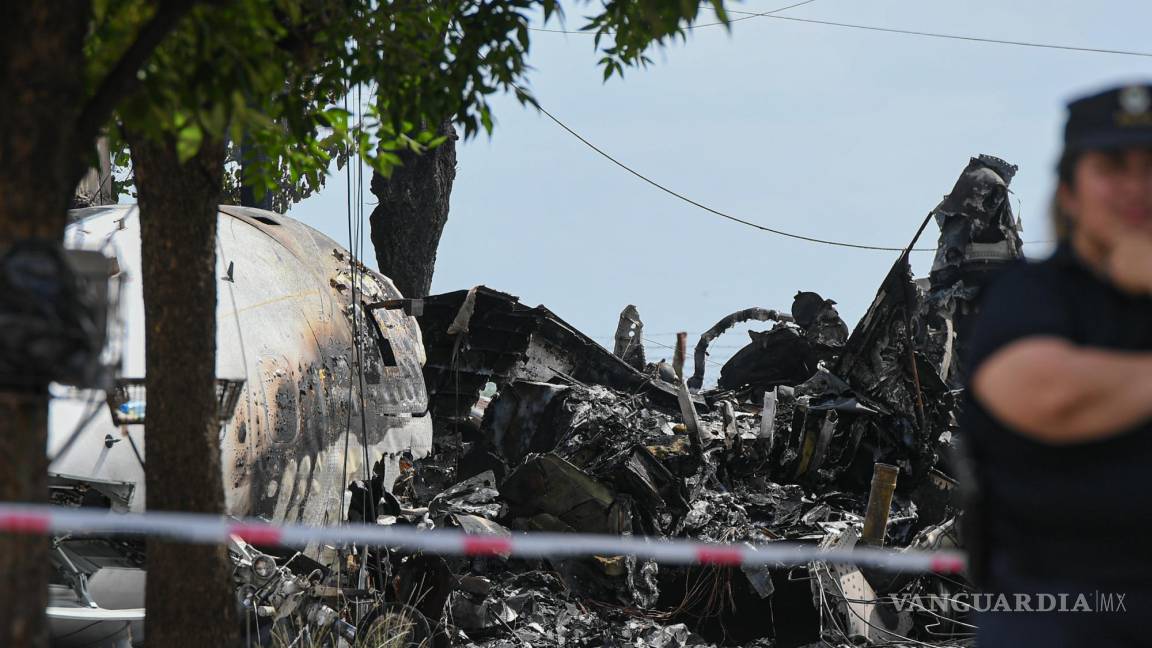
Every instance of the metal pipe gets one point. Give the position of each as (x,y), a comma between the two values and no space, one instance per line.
(879,504)
(754,313)
(687,407)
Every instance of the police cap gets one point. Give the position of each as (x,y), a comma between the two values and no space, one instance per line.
(1114,119)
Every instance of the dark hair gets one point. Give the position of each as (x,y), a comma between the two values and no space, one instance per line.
(1066,167)
(1066,176)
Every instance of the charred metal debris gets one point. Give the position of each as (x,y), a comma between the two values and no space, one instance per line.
(813,434)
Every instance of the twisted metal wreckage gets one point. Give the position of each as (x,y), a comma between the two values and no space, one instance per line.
(515,421)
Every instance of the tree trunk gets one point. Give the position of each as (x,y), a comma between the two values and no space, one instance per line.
(189,595)
(23,559)
(407,223)
(41,87)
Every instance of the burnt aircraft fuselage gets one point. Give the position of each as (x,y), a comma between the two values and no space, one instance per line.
(308,419)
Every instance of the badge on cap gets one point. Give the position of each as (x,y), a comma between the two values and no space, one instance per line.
(1135,100)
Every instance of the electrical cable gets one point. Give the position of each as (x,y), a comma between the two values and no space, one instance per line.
(843,595)
(343,485)
(651,341)
(239,337)
(717,212)
(747,15)
(358,245)
(358,300)
(689,27)
(976,39)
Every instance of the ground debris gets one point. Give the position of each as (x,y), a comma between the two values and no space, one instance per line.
(540,429)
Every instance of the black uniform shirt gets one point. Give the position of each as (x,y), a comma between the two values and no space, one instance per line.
(1080,512)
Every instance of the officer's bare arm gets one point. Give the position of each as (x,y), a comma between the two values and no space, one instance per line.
(1058,393)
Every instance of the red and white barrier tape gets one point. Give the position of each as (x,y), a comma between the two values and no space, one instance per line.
(211,529)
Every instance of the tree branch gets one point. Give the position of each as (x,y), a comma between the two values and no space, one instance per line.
(122,78)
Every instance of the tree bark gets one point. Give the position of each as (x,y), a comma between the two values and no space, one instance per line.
(189,595)
(410,217)
(24,559)
(41,83)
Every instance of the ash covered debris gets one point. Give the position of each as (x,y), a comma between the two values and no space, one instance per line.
(538,428)
(629,338)
(480,335)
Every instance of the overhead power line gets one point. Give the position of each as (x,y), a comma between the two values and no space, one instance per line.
(661,344)
(747,15)
(717,212)
(711,24)
(975,39)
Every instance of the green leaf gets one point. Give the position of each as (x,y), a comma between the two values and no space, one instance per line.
(721,13)
(188,141)
(272,72)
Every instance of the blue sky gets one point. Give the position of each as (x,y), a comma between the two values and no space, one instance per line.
(819,130)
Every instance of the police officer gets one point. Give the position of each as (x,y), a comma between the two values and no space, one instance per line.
(1058,416)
